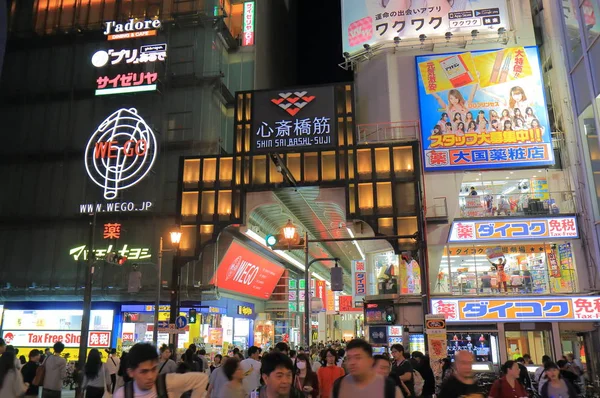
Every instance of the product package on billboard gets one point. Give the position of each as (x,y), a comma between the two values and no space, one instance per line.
(483,109)
(375,21)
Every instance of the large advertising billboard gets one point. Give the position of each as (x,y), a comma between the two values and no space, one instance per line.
(483,110)
(374,21)
(245,272)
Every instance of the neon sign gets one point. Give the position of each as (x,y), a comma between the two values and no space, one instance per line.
(121,152)
(126,83)
(134,253)
(248,36)
(131,29)
(147,53)
(516,229)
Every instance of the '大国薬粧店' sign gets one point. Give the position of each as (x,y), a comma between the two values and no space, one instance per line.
(287,120)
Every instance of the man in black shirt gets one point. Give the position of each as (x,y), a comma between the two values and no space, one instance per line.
(402,369)
(462,383)
(524,377)
(28,371)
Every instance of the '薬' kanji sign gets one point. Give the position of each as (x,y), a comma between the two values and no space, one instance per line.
(517,229)
(285,120)
(535,309)
(112,231)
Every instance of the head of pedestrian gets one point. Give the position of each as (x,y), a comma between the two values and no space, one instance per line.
(233,370)
(398,352)
(527,358)
(58,348)
(511,370)
(552,371)
(282,347)
(217,360)
(142,365)
(2,346)
(570,357)
(331,357)
(93,364)
(359,358)
(562,364)
(34,355)
(277,373)
(463,362)
(202,352)
(418,356)
(165,352)
(382,365)
(293,354)
(254,352)
(303,363)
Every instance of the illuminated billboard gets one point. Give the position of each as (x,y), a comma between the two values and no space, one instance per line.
(374,21)
(513,229)
(483,110)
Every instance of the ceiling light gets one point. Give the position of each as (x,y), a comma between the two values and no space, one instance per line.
(539,171)
(356,243)
(512,172)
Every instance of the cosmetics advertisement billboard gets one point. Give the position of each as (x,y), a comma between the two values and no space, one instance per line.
(483,110)
(375,21)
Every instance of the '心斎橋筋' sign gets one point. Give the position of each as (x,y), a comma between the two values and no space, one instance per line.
(286,120)
(514,229)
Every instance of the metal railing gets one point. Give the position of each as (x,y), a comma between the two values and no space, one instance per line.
(518,204)
(438,208)
(388,132)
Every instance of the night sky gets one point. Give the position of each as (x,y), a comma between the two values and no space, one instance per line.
(320,42)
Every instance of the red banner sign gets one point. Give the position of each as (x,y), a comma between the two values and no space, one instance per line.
(244,271)
(321,292)
(346,305)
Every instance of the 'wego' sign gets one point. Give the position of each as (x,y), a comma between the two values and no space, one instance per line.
(121,152)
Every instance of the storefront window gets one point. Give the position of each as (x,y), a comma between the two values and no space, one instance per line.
(590,15)
(574,50)
(588,128)
(484,346)
(516,193)
(540,268)
(534,343)
(396,274)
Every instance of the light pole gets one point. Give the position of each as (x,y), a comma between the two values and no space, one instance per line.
(175,284)
(175,240)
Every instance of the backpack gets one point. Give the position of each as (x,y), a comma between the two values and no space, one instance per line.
(40,374)
(161,387)
(389,390)
(419,382)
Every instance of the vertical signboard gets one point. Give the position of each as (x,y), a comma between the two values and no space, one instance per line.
(321,292)
(248,35)
(483,109)
(359,281)
(435,328)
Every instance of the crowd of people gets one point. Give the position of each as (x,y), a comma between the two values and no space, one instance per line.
(333,370)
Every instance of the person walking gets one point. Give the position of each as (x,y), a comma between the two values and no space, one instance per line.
(328,374)
(94,379)
(424,369)
(251,370)
(277,375)
(29,370)
(216,362)
(166,364)
(142,367)
(402,368)
(508,386)
(217,380)
(362,380)
(112,368)
(235,374)
(462,382)
(305,379)
(556,386)
(56,371)
(11,380)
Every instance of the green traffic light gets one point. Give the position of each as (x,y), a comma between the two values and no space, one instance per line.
(271,240)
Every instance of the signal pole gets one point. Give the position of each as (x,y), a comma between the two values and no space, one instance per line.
(87,294)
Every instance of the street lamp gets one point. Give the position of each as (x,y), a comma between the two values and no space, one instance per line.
(175,240)
(175,283)
(289,232)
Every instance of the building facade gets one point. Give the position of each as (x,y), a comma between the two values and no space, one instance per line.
(75,76)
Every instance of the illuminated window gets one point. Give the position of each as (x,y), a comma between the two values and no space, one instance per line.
(293,164)
(328,166)
(189,204)
(259,169)
(206,232)
(209,170)
(386,226)
(351,198)
(382,162)
(208,205)
(365,198)
(364,163)
(384,196)
(403,161)
(311,166)
(224,207)
(226,169)
(191,171)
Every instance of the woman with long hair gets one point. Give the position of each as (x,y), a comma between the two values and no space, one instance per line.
(472,127)
(329,373)
(460,129)
(456,101)
(94,380)
(305,379)
(11,380)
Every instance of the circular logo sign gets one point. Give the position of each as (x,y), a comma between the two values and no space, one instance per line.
(121,152)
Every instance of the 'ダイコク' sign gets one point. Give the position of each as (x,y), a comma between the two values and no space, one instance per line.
(26,338)
(131,29)
(517,229)
(288,120)
(534,309)
(243,271)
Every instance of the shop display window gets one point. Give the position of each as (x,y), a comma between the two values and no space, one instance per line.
(519,193)
(534,343)
(541,268)
(483,346)
(396,273)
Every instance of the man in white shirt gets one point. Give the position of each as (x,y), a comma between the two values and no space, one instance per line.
(251,368)
(142,367)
